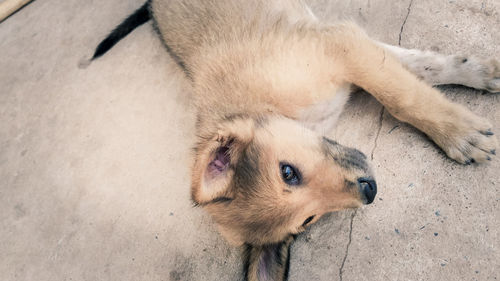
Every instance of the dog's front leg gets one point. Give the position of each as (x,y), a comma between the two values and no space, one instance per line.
(438,69)
(464,136)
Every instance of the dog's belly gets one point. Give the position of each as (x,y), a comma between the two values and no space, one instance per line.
(322,117)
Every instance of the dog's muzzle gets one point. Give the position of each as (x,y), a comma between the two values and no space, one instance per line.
(353,160)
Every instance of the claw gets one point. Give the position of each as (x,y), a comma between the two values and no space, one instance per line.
(488,132)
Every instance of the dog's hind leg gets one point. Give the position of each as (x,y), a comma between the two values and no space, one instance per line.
(463,135)
(438,69)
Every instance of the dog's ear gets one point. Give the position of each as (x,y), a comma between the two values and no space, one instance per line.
(268,262)
(216,156)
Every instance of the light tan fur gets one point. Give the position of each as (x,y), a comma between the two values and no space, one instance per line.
(269,80)
(274,57)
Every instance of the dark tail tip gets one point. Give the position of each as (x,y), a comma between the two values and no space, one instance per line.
(139,17)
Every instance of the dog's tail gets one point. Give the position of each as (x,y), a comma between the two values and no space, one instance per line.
(139,17)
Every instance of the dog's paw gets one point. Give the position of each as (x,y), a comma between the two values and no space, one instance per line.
(492,79)
(465,137)
(479,73)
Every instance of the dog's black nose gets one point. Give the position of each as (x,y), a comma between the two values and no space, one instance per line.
(368,187)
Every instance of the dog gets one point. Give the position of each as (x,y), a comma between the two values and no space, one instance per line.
(269,82)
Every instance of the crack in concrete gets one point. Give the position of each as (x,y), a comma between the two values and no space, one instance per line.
(381,118)
(404,23)
(341,269)
(380,122)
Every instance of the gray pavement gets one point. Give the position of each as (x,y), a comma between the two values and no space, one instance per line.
(94,166)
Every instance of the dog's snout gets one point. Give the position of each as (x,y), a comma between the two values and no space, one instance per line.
(368,188)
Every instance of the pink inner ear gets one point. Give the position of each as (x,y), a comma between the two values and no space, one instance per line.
(219,163)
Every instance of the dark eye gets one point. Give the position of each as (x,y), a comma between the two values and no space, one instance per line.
(290,174)
(308,220)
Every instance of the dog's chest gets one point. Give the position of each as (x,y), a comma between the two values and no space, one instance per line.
(322,116)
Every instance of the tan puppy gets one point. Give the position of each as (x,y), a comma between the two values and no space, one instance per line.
(269,81)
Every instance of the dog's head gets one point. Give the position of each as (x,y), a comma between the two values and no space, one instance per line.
(264,180)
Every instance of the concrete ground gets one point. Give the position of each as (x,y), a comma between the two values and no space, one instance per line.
(94,162)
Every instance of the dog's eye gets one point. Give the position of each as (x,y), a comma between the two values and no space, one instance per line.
(290,174)
(308,220)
